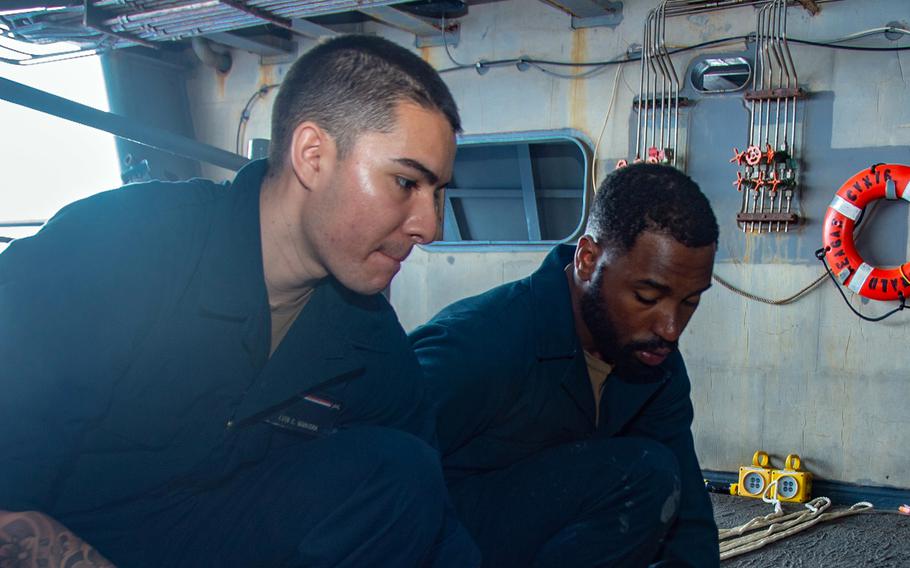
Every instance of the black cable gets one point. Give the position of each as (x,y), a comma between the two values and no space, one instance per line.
(749,37)
(630,59)
(820,255)
(848,47)
(245,114)
(638,58)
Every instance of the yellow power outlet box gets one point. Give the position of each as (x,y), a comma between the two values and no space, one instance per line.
(754,479)
(792,483)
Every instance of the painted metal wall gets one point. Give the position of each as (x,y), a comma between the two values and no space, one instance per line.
(809,377)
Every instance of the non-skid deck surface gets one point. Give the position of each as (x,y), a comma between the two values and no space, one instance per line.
(876,539)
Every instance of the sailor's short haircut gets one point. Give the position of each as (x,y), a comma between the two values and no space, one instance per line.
(352,84)
(650,197)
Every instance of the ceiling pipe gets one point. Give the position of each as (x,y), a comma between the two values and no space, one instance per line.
(214,57)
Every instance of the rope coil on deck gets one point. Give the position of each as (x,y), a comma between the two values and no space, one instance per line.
(779,526)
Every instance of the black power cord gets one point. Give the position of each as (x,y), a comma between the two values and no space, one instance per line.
(245,114)
(481,65)
(820,255)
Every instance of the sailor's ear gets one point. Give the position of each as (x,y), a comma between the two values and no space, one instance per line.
(587,255)
(313,154)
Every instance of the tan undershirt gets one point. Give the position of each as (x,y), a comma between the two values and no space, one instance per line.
(284,316)
(597,372)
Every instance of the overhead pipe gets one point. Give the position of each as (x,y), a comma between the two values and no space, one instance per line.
(219,60)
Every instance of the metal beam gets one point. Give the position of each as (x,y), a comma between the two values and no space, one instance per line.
(426,33)
(311,30)
(23,223)
(260,13)
(586,8)
(590,13)
(528,191)
(118,125)
(92,19)
(264,45)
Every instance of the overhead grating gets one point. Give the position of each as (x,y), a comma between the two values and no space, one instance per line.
(99,25)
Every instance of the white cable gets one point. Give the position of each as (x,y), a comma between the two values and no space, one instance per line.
(603,127)
(445,44)
(865,33)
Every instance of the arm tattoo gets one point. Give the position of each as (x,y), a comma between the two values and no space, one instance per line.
(33,540)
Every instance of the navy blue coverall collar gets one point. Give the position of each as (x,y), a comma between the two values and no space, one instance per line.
(325,332)
(554,323)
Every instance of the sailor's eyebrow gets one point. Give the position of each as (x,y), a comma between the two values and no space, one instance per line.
(431,177)
(662,288)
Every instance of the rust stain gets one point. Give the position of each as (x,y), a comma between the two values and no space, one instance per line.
(425,54)
(266,75)
(220,80)
(578,90)
(748,248)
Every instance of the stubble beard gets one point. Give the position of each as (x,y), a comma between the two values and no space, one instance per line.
(606,337)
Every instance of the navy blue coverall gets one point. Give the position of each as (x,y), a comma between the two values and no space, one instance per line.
(532,477)
(139,405)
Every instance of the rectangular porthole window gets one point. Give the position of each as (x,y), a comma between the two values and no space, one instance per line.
(528,187)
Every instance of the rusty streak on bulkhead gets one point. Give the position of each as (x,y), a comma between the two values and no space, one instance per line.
(578,87)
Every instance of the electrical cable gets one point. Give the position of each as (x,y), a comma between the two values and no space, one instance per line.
(820,255)
(582,75)
(848,47)
(866,33)
(445,44)
(603,127)
(831,44)
(629,59)
(245,114)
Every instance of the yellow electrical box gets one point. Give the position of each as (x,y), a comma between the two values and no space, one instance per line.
(792,483)
(754,479)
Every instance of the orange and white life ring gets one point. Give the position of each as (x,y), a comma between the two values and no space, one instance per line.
(882,181)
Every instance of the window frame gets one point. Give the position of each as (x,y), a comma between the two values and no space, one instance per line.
(521,137)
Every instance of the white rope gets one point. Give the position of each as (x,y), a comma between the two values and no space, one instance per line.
(778,510)
(779,526)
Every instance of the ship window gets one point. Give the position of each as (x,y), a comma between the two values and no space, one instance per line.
(720,74)
(517,188)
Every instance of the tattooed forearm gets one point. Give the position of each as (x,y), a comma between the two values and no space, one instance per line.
(33,540)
